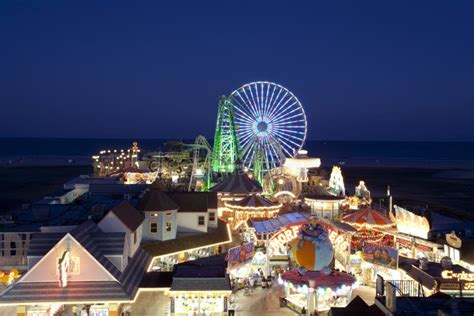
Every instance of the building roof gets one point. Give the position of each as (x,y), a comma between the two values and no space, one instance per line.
(276,224)
(162,279)
(237,182)
(205,274)
(212,200)
(190,201)
(83,234)
(213,236)
(107,243)
(98,244)
(75,291)
(128,215)
(200,284)
(156,200)
(253,201)
(356,307)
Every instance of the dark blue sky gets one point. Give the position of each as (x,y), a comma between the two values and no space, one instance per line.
(364,70)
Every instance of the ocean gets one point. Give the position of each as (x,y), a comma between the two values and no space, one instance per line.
(61,151)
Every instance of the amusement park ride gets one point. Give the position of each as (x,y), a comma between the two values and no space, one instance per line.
(259,126)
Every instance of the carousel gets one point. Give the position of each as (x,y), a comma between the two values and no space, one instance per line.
(368,223)
(312,285)
(374,251)
(253,206)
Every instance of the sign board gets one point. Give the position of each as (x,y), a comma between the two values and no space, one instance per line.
(63,268)
(240,254)
(278,242)
(410,223)
(341,244)
(453,240)
(453,280)
(380,254)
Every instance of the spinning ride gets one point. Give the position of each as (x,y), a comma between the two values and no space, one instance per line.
(268,119)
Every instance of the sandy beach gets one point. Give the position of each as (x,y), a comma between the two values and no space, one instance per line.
(449,191)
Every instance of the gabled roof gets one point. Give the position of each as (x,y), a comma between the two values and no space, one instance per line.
(108,243)
(190,201)
(156,200)
(128,215)
(205,274)
(357,307)
(82,234)
(97,244)
(237,182)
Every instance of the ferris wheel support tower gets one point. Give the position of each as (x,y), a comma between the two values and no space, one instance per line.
(225,149)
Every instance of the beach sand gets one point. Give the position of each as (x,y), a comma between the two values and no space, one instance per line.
(21,185)
(448,191)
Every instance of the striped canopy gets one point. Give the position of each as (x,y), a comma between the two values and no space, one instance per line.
(368,217)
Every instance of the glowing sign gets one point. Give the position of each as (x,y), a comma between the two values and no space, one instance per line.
(279,241)
(240,254)
(463,276)
(411,224)
(63,268)
(453,240)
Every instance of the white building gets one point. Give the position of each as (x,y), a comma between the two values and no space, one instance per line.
(126,219)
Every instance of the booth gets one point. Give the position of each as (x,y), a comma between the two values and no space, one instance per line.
(312,286)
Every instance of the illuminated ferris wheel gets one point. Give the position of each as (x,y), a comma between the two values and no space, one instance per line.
(270,123)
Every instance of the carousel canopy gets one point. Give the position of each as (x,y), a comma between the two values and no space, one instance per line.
(368,218)
(237,183)
(253,201)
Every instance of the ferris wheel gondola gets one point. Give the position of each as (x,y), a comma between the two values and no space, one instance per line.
(268,118)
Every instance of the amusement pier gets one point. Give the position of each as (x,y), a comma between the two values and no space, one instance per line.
(248,223)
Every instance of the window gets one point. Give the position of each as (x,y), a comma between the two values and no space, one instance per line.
(201,220)
(168,226)
(212,216)
(153,228)
(134,237)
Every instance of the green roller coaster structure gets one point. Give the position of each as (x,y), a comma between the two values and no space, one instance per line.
(225,151)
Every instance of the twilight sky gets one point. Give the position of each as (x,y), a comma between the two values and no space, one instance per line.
(364,70)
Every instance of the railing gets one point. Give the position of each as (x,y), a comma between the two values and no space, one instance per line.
(407,287)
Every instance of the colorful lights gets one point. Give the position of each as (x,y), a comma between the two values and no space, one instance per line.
(269,118)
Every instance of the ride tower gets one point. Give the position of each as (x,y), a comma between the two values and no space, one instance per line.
(225,150)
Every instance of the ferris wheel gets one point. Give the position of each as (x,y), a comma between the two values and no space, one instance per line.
(270,120)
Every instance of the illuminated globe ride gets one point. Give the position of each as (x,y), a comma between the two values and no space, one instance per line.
(313,286)
(270,124)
